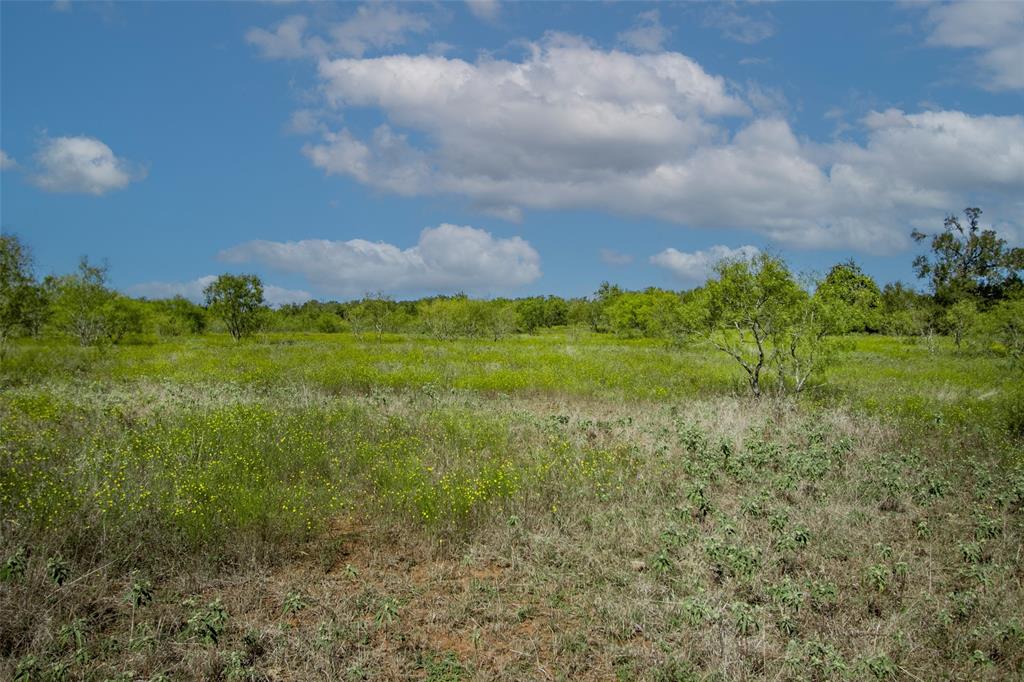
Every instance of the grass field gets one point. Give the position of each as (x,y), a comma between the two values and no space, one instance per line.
(562,506)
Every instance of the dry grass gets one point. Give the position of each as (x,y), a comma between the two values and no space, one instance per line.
(719,538)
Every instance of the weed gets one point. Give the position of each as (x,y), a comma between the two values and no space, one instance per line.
(209,622)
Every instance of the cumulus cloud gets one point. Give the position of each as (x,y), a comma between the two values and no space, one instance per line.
(697,266)
(447,258)
(488,10)
(7,162)
(193,290)
(743,28)
(613,257)
(569,111)
(573,126)
(305,122)
(994,29)
(376,26)
(286,41)
(82,165)
(372,26)
(647,34)
(276,296)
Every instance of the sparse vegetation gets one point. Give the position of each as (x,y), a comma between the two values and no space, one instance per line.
(421,492)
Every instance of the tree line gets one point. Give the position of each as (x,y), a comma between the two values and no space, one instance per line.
(755,310)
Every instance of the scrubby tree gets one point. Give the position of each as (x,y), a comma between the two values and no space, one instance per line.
(17,287)
(906,312)
(652,313)
(851,297)
(82,304)
(447,318)
(1005,325)
(179,316)
(756,312)
(959,319)
(379,313)
(967,261)
(122,316)
(238,301)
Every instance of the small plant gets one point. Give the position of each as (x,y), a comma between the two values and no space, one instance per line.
(58,569)
(787,595)
(787,625)
(923,530)
(777,520)
(59,672)
(986,528)
(27,670)
(699,499)
(15,565)
(73,634)
(445,668)
(661,562)
(970,552)
(695,612)
(743,619)
(387,611)
(140,593)
(824,595)
(880,667)
(877,577)
(208,623)
(801,535)
(293,603)
(900,571)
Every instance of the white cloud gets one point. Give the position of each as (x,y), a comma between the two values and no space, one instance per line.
(286,41)
(488,10)
(697,266)
(305,122)
(571,126)
(376,26)
(994,29)
(742,28)
(193,291)
(613,257)
(372,26)
(647,34)
(447,258)
(82,165)
(276,296)
(7,162)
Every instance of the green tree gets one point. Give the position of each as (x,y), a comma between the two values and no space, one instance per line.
(960,318)
(377,312)
(123,316)
(755,312)
(81,303)
(852,297)
(967,261)
(652,313)
(906,312)
(179,316)
(238,301)
(1005,324)
(16,287)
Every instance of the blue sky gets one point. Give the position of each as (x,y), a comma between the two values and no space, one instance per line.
(500,148)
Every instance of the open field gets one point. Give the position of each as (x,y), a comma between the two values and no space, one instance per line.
(561,506)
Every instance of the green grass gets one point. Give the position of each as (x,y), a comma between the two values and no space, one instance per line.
(556,506)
